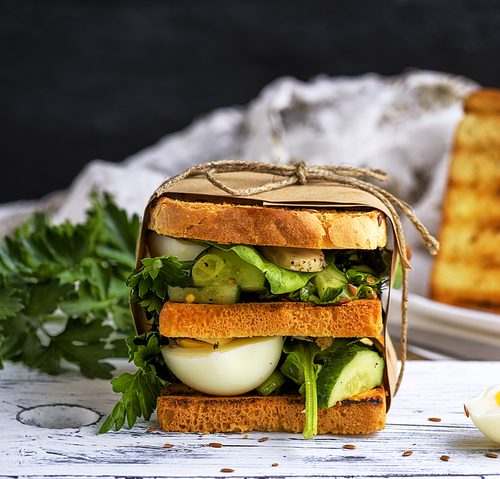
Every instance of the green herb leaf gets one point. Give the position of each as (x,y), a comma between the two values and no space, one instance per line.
(62,290)
(149,283)
(302,355)
(10,304)
(141,389)
(281,280)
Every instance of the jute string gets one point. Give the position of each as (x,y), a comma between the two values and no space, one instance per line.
(301,173)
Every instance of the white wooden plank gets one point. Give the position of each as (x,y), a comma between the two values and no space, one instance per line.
(430,389)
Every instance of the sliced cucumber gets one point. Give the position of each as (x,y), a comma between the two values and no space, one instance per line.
(350,371)
(329,283)
(221,294)
(218,267)
(207,270)
(272,384)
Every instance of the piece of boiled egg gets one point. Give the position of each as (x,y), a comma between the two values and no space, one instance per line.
(295,259)
(484,410)
(184,250)
(232,369)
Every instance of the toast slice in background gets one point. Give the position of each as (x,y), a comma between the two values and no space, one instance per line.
(466,271)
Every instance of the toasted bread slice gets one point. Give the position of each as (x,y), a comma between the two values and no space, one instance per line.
(359,318)
(181,409)
(466,271)
(269,226)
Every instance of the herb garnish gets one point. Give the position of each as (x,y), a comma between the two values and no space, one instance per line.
(63,296)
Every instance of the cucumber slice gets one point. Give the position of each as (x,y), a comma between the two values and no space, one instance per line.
(348,372)
(272,384)
(222,294)
(329,283)
(217,267)
(207,270)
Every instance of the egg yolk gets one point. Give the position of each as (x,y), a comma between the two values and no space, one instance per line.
(498,398)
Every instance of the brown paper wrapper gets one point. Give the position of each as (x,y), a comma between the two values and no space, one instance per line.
(314,194)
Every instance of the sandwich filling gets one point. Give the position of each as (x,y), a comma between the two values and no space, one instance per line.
(326,370)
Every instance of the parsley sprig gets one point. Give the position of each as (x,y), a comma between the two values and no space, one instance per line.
(140,390)
(62,292)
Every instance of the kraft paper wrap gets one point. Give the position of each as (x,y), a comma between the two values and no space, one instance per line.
(312,194)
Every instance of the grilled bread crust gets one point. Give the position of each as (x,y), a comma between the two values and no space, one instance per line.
(359,318)
(181,409)
(466,271)
(268,226)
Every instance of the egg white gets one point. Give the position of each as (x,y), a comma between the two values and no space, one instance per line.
(484,411)
(184,250)
(236,368)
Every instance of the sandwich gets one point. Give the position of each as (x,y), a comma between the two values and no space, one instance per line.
(261,309)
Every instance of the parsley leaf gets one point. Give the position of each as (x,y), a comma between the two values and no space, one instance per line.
(141,389)
(63,296)
(149,283)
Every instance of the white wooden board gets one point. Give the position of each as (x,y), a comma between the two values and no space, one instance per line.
(430,389)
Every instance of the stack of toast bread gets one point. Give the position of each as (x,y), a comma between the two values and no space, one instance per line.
(181,408)
(466,271)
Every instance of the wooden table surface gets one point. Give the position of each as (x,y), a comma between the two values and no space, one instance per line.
(430,389)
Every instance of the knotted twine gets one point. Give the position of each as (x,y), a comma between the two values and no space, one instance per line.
(301,173)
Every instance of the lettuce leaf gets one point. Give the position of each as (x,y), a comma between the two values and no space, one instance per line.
(280,280)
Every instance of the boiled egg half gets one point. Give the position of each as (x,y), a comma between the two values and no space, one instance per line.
(484,410)
(230,369)
(184,250)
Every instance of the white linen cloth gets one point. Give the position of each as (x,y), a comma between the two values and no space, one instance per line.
(403,125)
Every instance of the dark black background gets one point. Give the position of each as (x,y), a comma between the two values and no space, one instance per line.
(103,79)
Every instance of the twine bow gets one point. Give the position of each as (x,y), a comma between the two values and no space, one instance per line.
(301,173)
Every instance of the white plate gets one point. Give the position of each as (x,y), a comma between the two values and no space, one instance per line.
(424,308)
(444,321)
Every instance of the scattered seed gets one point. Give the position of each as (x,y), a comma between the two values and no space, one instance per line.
(215,444)
(445,458)
(339,403)
(190,298)
(352,289)
(490,454)
(226,469)
(466,411)
(408,252)
(345,300)
(274,464)
(168,446)
(151,429)
(263,439)
(231,281)
(435,419)
(349,446)
(407,453)
(380,219)
(246,436)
